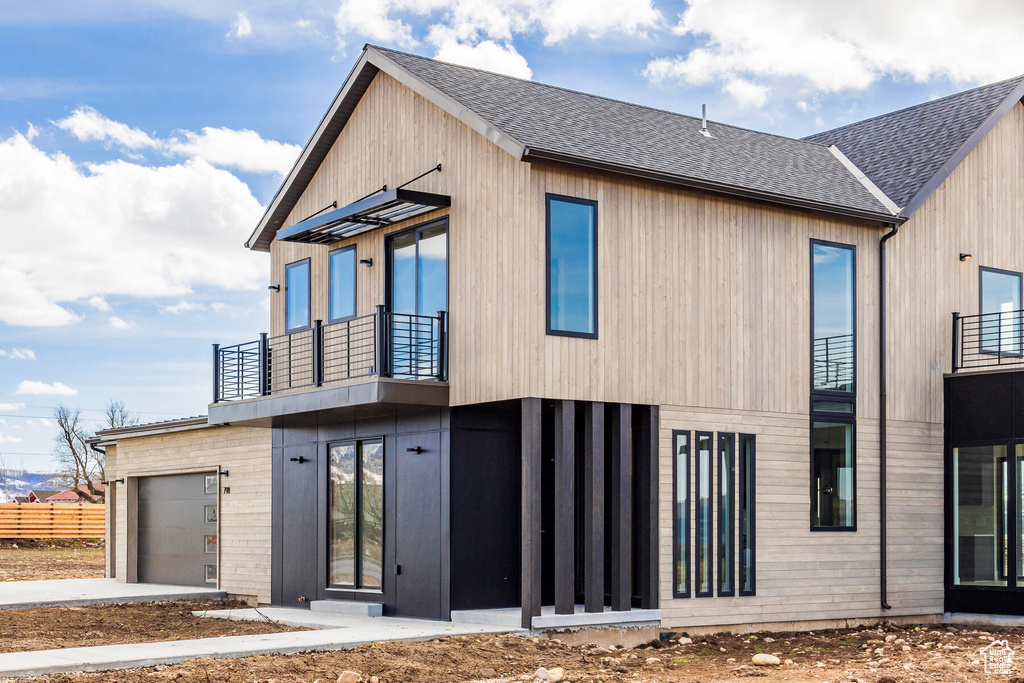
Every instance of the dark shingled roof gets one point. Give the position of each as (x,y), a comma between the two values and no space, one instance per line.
(567,123)
(900,152)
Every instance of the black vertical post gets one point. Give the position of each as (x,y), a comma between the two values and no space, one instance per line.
(442,345)
(647,470)
(593,507)
(956,339)
(565,513)
(318,353)
(382,343)
(622,507)
(264,365)
(216,372)
(530,591)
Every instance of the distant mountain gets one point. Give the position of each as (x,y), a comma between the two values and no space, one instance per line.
(20,482)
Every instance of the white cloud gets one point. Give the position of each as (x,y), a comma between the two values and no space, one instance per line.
(241,27)
(746,93)
(99,303)
(32,132)
(833,46)
(18,354)
(480,33)
(88,125)
(243,149)
(486,55)
(119,323)
(183,306)
(9,439)
(45,389)
(116,228)
(11,406)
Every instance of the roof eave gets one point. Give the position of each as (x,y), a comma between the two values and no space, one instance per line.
(532,154)
(1016,95)
(372,61)
(108,436)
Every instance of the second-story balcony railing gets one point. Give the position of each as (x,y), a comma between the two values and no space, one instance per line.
(833,362)
(383,344)
(988,341)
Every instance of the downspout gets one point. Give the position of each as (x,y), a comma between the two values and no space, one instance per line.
(882,541)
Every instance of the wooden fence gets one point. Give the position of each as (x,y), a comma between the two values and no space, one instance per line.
(52,520)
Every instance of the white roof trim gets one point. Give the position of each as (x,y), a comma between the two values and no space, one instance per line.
(865,181)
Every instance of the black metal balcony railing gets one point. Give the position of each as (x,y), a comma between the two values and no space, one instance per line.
(988,340)
(833,362)
(398,345)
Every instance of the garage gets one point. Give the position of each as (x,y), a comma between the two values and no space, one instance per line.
(177,529)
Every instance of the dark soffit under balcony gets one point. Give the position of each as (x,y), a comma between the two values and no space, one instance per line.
(380,210)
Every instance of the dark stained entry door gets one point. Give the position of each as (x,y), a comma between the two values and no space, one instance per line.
(176,543)
(418,526)
(299,532)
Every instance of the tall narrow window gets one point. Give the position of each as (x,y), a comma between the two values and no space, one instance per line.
(833,387)
(705,554)
(1000,308)
(833,479)
(343,283)
(356,516)
(572,266)
(833,310)
(726,511)
(681,514)
(746,514)
(296,285)
(982,498)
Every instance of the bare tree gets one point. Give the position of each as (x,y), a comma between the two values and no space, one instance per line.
(83,468)
(5,481)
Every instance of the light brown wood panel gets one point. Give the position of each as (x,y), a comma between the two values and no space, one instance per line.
(978,209)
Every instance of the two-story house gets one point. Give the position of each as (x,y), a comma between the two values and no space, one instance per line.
(591,362)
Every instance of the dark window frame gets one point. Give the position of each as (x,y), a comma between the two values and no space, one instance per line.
(357,526)
(699,517)
(837,418)
(309,294)
(748,489)
(730,561)
(981,309)
(389,261)
(330,283)
(853,303)
(683,548)
(548,197)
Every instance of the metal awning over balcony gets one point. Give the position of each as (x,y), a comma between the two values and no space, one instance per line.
(379,210)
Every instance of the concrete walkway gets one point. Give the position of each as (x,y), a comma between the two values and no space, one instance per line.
(347,632)
(77,592)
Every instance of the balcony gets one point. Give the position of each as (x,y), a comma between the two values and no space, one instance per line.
(989,341)
(346,355)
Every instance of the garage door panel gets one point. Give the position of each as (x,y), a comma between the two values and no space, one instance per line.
(172,530)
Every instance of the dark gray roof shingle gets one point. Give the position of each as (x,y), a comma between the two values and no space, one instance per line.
(901,151)
(597,129)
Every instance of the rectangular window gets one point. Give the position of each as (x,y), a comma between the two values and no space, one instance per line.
(572,266)
(681,514)
(211,573)
(746,514)
(211,543)
(296,313)
(705,558)
(342,263)
(981,522)
(833,482)
(726,510)
(210,513)
(1000,307)
(210,484)
(832,317)
(356,522)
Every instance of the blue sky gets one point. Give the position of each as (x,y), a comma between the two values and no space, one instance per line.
(139,142)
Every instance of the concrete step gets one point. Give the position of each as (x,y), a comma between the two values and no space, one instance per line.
(352,608)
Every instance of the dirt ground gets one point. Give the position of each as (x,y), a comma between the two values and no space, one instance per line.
(23,560)
(890,655)
(50,628)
